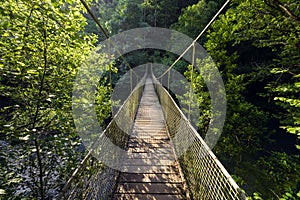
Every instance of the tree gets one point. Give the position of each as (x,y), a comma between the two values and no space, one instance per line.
(160,13)
(256,46)
(42,45)
(195,17)
(118,16)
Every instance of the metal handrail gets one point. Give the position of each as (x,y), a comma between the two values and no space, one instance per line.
(192,153)
(93,165)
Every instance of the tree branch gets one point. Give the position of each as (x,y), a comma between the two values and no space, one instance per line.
(36,142)
(285,10)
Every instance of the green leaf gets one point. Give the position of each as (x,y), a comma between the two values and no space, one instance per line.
(6,34)
(25,138)
(2,192)
(21,63)
(32,71)
(14,180)
(84,100)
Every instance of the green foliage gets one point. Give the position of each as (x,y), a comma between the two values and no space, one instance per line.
(255,44)
(42,45)
(203,99)
(120,15)
(159,13)
(195,17)
(292,194)
(257,196)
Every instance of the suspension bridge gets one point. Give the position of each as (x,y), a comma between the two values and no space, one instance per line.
(154,166)
(161,156)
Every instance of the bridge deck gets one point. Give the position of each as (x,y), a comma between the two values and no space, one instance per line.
(151,156)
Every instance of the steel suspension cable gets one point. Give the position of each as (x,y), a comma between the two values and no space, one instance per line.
(197,38)
(191,86)
(94,18)
(107,37)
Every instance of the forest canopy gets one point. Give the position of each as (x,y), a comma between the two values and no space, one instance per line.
(255,45)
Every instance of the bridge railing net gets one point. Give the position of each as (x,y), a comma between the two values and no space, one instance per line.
(93,179)
(205,176)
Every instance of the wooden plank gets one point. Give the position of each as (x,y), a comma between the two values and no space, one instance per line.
(152,137)
(148,149)
(152,178)
(149,197)
(149,144)
(149,155)
(150,188)
(145,161)
(152,140)
(150,169)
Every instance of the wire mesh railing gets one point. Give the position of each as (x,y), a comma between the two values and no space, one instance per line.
(205,176)
(93,179)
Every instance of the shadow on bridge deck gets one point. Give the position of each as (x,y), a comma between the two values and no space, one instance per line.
(150,156)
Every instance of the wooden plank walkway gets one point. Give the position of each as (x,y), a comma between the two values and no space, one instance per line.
(150,156)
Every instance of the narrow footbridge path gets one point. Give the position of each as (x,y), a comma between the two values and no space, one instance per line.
(151,155)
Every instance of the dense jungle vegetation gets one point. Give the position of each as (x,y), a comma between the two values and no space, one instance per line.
(254,43)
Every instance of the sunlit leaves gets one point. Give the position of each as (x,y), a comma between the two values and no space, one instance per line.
(195,17)
(42,45)
(256,47)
